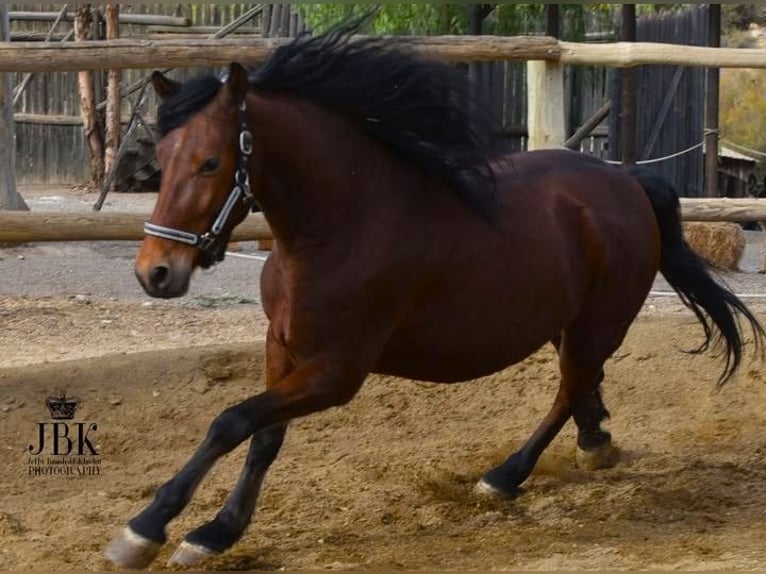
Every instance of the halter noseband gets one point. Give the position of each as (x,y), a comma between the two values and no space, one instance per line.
(240,192)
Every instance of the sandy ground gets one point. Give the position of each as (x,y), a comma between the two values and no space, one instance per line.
(385,482)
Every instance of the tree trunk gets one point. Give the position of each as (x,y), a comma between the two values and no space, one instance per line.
(9,198)
(112,122)
(91,125)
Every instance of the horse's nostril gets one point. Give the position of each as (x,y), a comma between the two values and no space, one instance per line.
(159,276)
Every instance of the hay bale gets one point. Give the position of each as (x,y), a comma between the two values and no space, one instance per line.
(720,244)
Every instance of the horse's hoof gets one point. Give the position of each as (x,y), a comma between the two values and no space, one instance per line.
(484,488)
(131,550)
(599,458)
(188,554)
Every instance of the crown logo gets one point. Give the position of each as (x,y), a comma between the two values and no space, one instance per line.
(62,407)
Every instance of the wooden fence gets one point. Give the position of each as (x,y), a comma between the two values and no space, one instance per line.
(49,136)
(137,54)
(670,103)
(188,53)
(51,147)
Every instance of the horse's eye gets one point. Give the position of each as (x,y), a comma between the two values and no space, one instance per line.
(209,166)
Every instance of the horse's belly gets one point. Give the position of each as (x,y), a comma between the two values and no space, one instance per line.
(458,348)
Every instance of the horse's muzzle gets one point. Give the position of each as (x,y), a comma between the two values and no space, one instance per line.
(163,281)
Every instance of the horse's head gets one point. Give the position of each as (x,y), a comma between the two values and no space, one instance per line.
(205,191)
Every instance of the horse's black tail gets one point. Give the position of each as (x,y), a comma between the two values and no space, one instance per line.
(717,308)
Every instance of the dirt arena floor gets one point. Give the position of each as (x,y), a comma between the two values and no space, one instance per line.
(387,481)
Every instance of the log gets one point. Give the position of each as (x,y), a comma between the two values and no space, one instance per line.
(56,120)
(740,210)
(39,36)
(112,124)
(195,31)
(33,226)
(631,54)
(149,54)
(585,130)
(146,19)
(86,90)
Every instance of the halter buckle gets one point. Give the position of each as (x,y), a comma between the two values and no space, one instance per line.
(206,241)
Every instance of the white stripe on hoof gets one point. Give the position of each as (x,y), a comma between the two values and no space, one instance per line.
(605,456)
(188,554)
(131,550)
(486,489)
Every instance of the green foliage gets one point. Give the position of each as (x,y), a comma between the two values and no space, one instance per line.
(743,108)
(391,18)
(428,19)
(740,16)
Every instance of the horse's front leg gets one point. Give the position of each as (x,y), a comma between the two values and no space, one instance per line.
(228,526)
(220,534)
(314,385)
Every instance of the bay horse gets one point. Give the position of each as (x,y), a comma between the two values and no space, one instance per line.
(405,244)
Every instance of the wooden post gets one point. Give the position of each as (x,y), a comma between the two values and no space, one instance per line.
(91,126)
(112,125)
(9,198)
(546,119)
(711,105)
(628,124)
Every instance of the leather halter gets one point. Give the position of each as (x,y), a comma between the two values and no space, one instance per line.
(240,192)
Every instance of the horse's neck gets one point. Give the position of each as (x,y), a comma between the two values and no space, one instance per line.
(317,171)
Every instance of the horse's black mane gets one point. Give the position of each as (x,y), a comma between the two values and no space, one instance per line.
(420,109)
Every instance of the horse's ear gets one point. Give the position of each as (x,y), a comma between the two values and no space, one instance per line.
(237,82)
(163,86)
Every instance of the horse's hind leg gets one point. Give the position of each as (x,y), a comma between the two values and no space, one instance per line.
(583,349)
(504,479)
(594,444)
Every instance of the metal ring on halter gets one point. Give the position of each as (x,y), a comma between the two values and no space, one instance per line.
(207,241)
(245,141)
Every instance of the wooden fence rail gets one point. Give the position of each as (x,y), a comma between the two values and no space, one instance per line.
(147,54)
(145,19)
(33,226)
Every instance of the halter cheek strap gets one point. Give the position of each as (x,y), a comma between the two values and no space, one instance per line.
(240,192)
